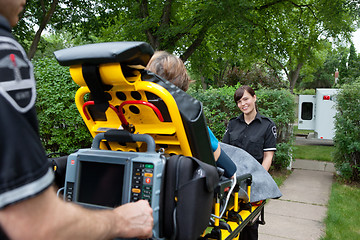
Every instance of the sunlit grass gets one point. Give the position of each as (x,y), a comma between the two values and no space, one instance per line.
(313,152)
(343,216)
(300,131)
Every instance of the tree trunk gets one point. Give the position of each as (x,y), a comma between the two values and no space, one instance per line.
(203,84)
(44,22)
(144,13)
(294,75)
(191,49)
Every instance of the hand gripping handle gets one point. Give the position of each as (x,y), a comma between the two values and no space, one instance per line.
(114,135)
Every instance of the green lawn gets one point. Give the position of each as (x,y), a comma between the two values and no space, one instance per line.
(313,152)
(343,216)
(300,131)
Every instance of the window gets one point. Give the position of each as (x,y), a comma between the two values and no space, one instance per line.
(307,111)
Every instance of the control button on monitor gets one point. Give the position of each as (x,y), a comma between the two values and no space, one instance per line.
(149,166)
(147,188)
(147,180)
(148,174)
(136,190)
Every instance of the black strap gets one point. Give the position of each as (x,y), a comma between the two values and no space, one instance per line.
(97,88)
(212,177)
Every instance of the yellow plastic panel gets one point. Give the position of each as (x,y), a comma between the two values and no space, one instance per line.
(168,135)
(77,76)
(111,74)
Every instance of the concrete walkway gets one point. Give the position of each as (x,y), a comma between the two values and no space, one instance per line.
(300,212)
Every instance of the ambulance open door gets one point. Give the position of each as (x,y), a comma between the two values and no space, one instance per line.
(306,119)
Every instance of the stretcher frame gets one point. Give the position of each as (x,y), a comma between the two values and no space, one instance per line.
(124,99)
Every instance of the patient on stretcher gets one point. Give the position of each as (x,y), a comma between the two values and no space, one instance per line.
(172,68)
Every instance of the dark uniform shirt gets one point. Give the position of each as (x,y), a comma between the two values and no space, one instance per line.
(24,168)
(256,138)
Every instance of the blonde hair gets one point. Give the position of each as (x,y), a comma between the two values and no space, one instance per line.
(171,68)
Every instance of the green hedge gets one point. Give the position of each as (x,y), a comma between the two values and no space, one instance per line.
(61,126)
(279,105)
(347,131)
(63,130)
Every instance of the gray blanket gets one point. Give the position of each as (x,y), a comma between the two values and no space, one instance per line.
(263,185)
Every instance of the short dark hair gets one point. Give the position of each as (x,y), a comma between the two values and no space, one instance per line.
(240,92)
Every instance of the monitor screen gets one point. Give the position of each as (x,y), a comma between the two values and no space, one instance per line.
(100,183)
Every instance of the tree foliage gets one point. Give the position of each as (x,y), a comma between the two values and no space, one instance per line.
(295,30)
(258,75)
(321,73)
(353,63)
(79,17)
(285,34)
(349,65)
(347,131)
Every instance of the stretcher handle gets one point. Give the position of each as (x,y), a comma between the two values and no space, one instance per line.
(120,113)
(248,178)
(243,177)
(115,135)
(93,103)
(152,106)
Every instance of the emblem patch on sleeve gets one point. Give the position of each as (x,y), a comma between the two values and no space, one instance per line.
(17,83)
(274,131)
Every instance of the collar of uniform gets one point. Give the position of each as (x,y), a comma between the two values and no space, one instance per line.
(4,23)
(257,117)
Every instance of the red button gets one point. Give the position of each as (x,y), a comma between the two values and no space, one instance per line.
(148,180)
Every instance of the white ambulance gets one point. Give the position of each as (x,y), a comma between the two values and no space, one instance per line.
(317,112)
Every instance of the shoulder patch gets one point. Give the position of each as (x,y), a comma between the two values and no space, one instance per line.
(17,83)
(273,129)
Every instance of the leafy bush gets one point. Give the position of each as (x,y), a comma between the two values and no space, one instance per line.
(61,126)
(218,106)
(279,105)
(283,155)
(347,131)
(305,91)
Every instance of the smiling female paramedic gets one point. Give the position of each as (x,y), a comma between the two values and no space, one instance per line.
(29,206)
(255,134)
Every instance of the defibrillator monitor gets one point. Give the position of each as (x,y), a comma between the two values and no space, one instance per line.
(106,179)
(101,183)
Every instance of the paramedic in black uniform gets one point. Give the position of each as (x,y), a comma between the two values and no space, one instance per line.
(254,133)
(29,207)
